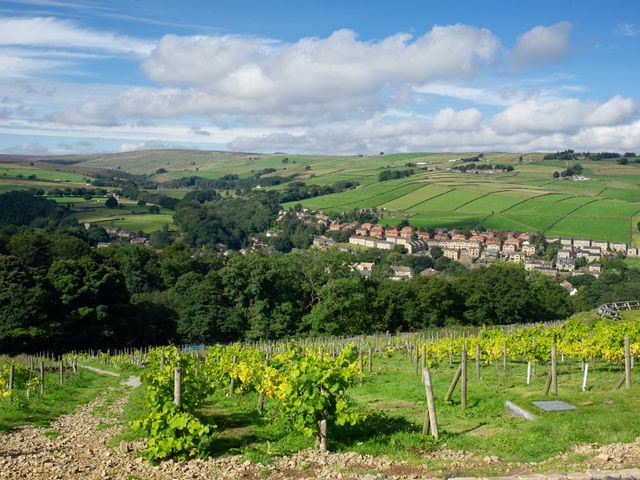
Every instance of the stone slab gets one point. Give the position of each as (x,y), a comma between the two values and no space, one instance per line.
(554,405)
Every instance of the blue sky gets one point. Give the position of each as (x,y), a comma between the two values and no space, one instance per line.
(318,77)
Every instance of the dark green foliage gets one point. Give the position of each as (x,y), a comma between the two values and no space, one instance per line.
(393,174)
(111,202)
(22,208)
(228,221)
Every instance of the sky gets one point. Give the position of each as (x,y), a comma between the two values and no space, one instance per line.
(319,77)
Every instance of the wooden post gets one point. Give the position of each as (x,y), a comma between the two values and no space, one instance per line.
(547,384)
(417,361)
(322,434)
(177,386)
(232,383)
(627,363)
(477,360)
(424,357)
(11,372)
(361,365)
(554,369)
(322,427)
(61,368)
(504,356)
(370,362)
(463,386)
(41,377)
(431,407)
(454,382)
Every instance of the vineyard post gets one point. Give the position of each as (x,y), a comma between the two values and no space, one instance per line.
(11,372)
(477,360)
(504,356)
(61,368)
(454,382)
(627,363)
(554,369)
(41,377)
(417,360)
(262,393)
(322,428)
(431,407)
(424,356)
(361,365)
(177,386)
(450,353)
(584,376)
(529,373)
(232,383)
(370,363)
(463,387)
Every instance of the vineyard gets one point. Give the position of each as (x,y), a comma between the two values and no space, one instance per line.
(392,395)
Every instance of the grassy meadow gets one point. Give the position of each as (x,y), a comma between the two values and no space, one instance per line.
(604,207)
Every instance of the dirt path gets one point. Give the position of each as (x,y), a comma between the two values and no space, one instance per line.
(76,446)
(99,370)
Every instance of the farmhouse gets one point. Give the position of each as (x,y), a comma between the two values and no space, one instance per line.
(401,273)
(363,268)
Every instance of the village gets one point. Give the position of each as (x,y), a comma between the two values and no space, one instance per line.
(575,256)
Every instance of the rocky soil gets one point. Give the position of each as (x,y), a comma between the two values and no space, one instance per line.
(76,446)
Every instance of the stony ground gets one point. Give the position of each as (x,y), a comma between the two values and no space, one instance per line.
(76,446)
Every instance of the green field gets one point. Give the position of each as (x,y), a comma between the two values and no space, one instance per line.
(528,198)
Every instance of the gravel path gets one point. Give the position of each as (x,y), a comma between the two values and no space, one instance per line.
(77,447)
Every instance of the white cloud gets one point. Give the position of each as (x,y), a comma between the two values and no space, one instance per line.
(564,115)
(449,119)
(542,45)
(313,80)
(50,32)
(626,30)
(12,66)
(148,145)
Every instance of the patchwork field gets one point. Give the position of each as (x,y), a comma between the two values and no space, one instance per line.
(129,216)
(605,206)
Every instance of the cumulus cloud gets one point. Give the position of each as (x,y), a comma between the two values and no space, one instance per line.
(313,80)
(542,45)
(526,126)
(54,32)
(449,119)
(564,115)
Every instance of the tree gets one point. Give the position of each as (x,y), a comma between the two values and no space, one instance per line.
(111,202)
(496,295)
(25,304)
(343,309)
(436,252)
